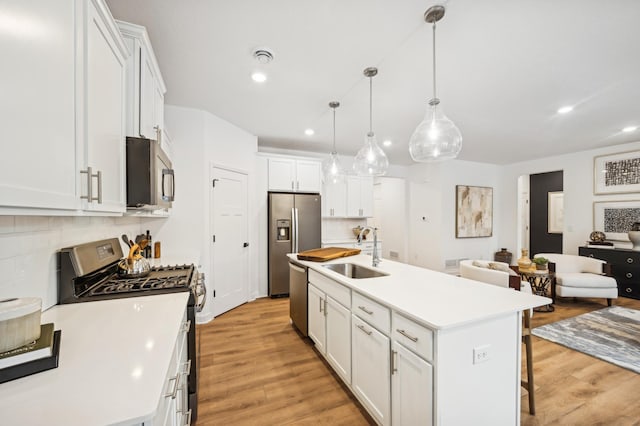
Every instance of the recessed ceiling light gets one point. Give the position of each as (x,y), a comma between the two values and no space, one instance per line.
(258,77)
(630,129)
(387,143)
(565,109)
(309,132)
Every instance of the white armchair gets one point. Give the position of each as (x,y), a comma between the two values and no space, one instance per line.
(580,276)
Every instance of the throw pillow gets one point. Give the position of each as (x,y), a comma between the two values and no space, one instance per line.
(479,264)
(499,266)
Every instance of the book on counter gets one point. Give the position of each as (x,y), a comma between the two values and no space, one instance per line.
(33,358)
(600,243)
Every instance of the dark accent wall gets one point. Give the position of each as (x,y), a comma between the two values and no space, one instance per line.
(540,241)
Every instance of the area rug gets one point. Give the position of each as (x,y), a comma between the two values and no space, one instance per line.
(611,334)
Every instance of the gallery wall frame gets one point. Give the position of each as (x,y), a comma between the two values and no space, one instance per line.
(616,173)
(615,218)
(555,213)
(474,211)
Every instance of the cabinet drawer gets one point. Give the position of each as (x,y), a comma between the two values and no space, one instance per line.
(372,312)
(412,335)
(613,256)
(628,289)
(626,273)
(332,288)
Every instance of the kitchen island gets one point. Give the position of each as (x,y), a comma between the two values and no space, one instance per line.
(417,346)
(115,359)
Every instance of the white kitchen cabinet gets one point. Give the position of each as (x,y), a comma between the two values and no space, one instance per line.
(103,172)
(334,199)
(65,120)
(359,196)
(291,174)
(317,328)
(38,161)
(145,86)
(371,370)
(329,313)
(411,388)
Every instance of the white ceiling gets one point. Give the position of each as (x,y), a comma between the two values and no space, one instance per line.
(504,68)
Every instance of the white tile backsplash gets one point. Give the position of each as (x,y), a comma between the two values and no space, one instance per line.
(29,247)
(340,229)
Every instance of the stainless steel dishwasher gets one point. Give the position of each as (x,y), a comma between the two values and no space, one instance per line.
(298,296)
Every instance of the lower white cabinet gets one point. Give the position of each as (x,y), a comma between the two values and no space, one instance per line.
(411,388)
(371,369)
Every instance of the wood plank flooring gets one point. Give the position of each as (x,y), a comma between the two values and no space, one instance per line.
(255,369)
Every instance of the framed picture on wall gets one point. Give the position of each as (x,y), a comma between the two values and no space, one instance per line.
(616,173)
(556,212)
(474,211)
(615,218)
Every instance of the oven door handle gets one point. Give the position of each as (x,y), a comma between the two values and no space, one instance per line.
(201,290)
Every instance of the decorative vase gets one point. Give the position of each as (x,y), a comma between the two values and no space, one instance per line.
(503,256)
(524,263)
(541,267)
(634,236)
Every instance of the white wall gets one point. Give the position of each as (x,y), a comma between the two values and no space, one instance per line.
(29,247)
(578,194)
(432,197)
(202,140)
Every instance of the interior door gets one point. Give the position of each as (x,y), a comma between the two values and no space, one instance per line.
(230,253)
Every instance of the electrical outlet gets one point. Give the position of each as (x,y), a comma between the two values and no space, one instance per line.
(481,354)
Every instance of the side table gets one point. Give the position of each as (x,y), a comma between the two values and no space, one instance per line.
(540,281)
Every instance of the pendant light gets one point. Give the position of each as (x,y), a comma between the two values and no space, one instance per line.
(332,170)
(436,138)
(371,159)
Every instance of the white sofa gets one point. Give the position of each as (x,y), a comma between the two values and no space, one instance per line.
(496,273)
(581,276)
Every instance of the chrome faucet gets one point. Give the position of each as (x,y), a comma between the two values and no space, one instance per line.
(376,258)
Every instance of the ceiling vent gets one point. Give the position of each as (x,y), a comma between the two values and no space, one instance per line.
(264,56)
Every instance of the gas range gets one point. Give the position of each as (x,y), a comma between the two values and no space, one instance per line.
(90,272)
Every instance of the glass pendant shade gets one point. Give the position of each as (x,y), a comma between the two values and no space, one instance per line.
(371,159)
(332,170)
(436,138)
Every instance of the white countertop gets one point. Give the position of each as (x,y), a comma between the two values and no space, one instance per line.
(114,356)
(436,299)
(348,241)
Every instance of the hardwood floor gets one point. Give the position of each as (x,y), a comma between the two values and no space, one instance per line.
(255,369)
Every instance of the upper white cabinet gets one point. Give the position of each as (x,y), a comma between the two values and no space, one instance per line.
(290,174)
(62,104)
(103,171)
(145,86)
(359,196)
(334,200)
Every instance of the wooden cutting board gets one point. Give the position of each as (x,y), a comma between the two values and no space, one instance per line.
(327,253)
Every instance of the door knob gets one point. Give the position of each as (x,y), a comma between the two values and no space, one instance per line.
(245,245)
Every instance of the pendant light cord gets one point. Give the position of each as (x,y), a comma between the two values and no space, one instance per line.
(370,104)
(434,61)
(334,131)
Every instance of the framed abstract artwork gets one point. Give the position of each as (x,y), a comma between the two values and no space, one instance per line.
(616,173)
(615,218)
(555,214)
(474,211)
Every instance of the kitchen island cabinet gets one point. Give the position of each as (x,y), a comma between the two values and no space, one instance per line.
(118,360)
(440,326)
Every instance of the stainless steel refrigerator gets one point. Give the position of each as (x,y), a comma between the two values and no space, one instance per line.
(294,226)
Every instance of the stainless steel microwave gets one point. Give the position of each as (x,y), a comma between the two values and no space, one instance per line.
(150,176)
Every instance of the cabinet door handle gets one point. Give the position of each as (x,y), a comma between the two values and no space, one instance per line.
(186,368)
(320,300)
(366,311)
(325,307)
(99,176)
(407,335)
(629,275)
(591,255)
(628,290)
(292,185)
(297,185)
(394,361)
(158,134)
(186,326)
(174,391)
(629,260)
(89,173)
(361,327)
(186,414)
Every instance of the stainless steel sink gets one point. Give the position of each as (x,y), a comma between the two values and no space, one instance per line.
(352,270)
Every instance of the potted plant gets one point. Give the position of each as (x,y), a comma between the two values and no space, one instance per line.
(541,263)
